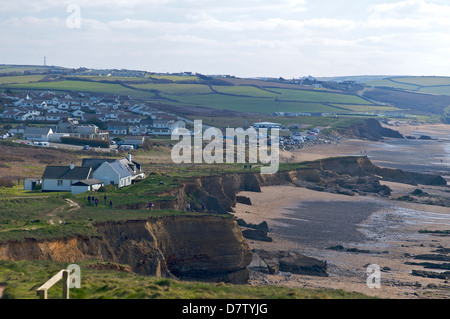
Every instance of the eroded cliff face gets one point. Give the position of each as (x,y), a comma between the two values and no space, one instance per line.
(346,175)
(209,248)
(369,129)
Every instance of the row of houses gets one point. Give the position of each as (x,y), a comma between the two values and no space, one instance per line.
(90,176)
(72,128)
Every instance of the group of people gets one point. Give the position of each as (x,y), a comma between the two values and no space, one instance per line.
(94,200)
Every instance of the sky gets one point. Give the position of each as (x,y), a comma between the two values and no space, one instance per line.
(244,38)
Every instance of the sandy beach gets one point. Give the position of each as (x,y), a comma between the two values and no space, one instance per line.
(388,230)
(310,222)
(391,152)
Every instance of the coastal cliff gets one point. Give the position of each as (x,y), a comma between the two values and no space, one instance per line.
(345,175)
(205,247)
(370,129)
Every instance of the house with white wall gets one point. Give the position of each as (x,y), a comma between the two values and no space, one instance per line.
(39,134)
(61,178)
(121,172)
(113,173)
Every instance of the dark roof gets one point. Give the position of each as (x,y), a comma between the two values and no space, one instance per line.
(64,172)
(95,162)
(37,130)
(129,165)
(87,182)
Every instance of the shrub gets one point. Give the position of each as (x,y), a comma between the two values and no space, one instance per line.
(6,183)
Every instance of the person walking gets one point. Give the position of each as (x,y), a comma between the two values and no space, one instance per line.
(104,197)
(110,204)
(96,201)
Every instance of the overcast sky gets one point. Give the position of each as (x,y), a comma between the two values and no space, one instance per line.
(246,38)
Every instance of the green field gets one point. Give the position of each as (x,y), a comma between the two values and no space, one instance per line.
(245,90)
(264,99)
(248,104)
(319,97)
(82,86)
(422,84)
(173,88)
(20,79)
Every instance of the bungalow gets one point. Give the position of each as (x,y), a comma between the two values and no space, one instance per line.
(61,178)
(113,173)
(40,134)
(122,172)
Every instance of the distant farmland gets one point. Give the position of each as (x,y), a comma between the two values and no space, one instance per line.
(421,84)
(238,95)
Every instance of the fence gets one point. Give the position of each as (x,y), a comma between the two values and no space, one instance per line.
(61,275)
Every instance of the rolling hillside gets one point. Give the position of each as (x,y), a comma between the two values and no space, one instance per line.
(417,95)
(420,94)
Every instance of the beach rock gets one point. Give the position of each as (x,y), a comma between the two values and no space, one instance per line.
(262,226)
(290,262)
(431,274)
(243,200)
(256,234)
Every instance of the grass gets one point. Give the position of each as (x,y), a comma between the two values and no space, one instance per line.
(173,88)
(245,90)
(248,104)
(20,79)
(421,84)
(319,97)
(82,86)
(22,279)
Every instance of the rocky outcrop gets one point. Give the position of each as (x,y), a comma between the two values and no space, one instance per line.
(209,248)
(273,262)
(370,129)
(343,175)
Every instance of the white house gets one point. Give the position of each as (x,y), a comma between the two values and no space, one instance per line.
(40,134)
(61,178)
(121,172)
(114,173)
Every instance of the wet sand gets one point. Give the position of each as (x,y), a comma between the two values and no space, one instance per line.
(309,222)
(410,155)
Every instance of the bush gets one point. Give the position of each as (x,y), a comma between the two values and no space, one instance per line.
(6,183)
(106,188)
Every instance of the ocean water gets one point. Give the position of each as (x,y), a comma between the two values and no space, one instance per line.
(412,155)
